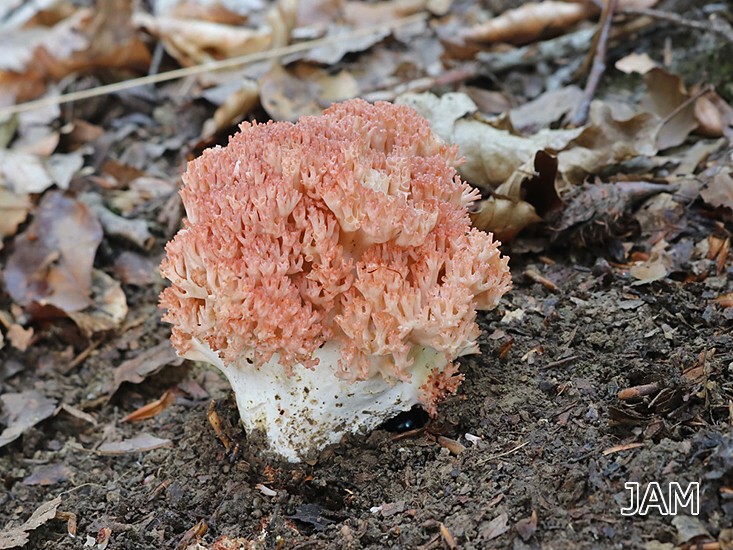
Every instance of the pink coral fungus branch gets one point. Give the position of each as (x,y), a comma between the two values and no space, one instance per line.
(329,269)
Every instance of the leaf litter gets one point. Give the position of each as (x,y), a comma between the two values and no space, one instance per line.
(618,229)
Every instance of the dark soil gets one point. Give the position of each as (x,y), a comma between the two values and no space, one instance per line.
(547,415)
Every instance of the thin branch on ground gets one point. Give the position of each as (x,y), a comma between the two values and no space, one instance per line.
(219,65)
(599,63)
(718,25)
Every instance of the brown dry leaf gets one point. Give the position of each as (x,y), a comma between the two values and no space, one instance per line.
(139,443)
(14,210)
(146,364)
(714,116)
(108,306)
(529,22)
(85,40)
(606,140)
(25,173)
(288,94)
(132,268)
(20,338)
(233,109)
(520,201)
(22,411)
(666,97)
(18,536)
(493,154)
(636,63)
(495,528)
(547,109)
(360,14)
(192,42)
(655,268)
(152,409)
(719,190)
(48,475)
(218,11)
(51,263)
(526,527)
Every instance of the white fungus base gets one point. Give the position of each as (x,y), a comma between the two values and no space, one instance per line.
(303,413)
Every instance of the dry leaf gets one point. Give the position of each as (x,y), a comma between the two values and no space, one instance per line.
(636,63)
(714,116)
(666,97)
(14,210)
(147,363)
(520,201)
(547,109)
(20,338)
(288,94)
(361,14)
(492,154)
(495,528)
(655,268)
(152,409)
(193,42)
(18,536)
(529,22)
(139,443)
(22,411)
(132,268)
(719,190)
(526,527)
(108,306)
(84,40)
(51,263)
(48,475)
(233,109)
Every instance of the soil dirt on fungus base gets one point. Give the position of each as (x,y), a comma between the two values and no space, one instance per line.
(533,452)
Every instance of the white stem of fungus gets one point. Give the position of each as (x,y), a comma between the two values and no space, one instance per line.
(303,413)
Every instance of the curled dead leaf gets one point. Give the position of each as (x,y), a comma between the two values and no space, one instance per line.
(529,22)
(51,263)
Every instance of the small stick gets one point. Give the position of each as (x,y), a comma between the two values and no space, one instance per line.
(635,392)
(544,281)
(219,65)
(599,63)
(715,24)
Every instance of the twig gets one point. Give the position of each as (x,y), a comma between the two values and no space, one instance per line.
(501,455)
(207,67)
(715,24)
(599,63)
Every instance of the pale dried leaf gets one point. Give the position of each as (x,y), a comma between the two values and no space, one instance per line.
(194,42)
(496,527)
(529,22)
(233,109)
(108,308)
(146,364)
(20,338)
(719,190)
(14,210)
(140,443)
(18,536)
(666,97)
(52,259)
(288,94)
(636,63)
(48,475)
(22,411)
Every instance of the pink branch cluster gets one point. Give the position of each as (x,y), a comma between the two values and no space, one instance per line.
(348,227)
